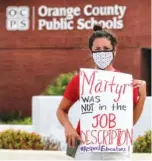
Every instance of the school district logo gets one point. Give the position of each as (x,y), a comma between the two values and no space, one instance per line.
(17,18)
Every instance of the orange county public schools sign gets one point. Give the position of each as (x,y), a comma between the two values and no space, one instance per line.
(62,18)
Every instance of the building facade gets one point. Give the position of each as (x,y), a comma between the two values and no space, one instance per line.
(42,39)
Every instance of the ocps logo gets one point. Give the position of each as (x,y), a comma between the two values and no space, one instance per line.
(17,18)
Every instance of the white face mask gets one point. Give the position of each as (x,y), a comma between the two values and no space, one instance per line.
(103,58)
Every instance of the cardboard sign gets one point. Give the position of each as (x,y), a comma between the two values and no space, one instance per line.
(106,104)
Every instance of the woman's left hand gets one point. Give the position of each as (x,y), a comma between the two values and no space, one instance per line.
(141,85)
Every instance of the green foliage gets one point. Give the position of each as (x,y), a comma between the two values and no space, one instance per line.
(18,121)
(58,87)
(143,144)
(10,116)
(11,139)
(51,144)
(14,117)
(17,139)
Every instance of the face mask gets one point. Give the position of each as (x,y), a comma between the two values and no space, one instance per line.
(103,58)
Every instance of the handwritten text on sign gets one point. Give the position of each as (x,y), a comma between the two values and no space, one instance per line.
(106,102)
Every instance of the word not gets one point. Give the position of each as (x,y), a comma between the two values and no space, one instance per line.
(102,85)
(108,137)
(87,108)
(100,148)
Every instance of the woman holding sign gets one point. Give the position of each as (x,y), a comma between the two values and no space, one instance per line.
(102,44)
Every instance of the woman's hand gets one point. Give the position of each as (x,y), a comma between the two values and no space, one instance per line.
(71,136)
(141,85)
(62,114)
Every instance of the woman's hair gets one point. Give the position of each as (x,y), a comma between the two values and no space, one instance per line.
(99,32)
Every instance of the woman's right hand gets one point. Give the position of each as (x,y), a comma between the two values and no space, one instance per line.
(71,136)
